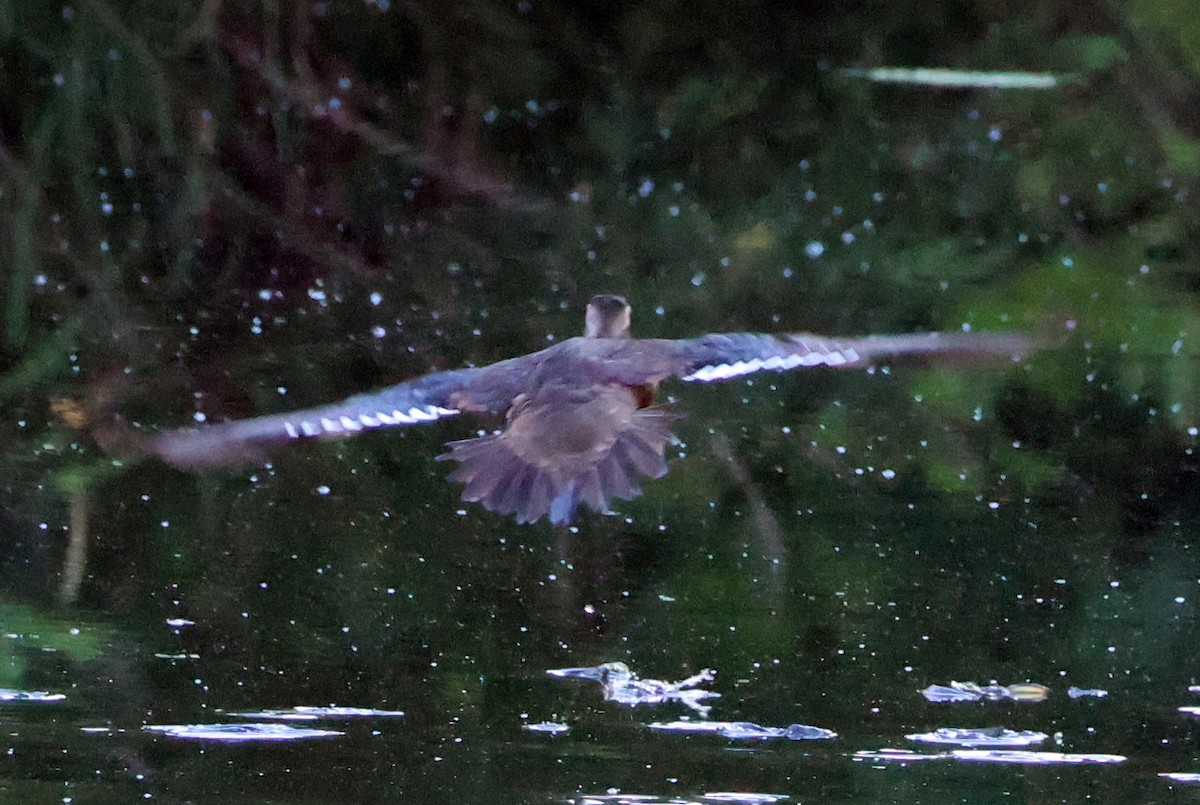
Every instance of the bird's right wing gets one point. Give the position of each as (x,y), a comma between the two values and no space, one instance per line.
(723,356)
(422,399)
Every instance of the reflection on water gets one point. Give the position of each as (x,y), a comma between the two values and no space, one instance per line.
(547,727)
(1086,693)
(745,730)
(999,756)
(305,713)
(1032,758)
(8,695)
(238,733)
(738,798)
(974,738)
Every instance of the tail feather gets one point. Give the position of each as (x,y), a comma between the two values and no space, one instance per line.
(482,473)
(562,508)
(518,491)
(540,495)
(492,497)
(591,491)
(617,484)
(506,483)
(480,485)
(484,469)
(640,456)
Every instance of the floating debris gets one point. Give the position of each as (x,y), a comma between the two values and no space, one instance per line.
(948,78)
(306,713)
(1004,756)
(971,692)
(990,736)
(746,730)
(238,733)
(548,727)
(623,686)
(10,695)
(1081,693)
(179,623)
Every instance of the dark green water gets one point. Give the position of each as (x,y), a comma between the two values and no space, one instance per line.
(258,207)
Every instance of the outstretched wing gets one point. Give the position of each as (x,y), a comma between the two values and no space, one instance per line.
(723,356)
(422,399)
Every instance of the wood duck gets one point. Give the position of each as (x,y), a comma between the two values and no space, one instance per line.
(581,426)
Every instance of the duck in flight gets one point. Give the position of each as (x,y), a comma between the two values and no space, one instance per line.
(581,427)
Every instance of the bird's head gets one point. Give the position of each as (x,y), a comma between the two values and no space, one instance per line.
(608,316)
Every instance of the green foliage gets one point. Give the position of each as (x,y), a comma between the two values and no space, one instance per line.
(1181,150)
(27,631)
(1171,23)
(1094,53)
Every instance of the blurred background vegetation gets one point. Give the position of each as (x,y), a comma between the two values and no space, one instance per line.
(194,191)
(229,207)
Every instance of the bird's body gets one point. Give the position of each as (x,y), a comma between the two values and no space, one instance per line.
(581,426)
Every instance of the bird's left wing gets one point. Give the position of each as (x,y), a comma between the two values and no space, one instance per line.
(422,399)
(723,356)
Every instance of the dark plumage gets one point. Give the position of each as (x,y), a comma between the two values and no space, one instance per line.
(580,423)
